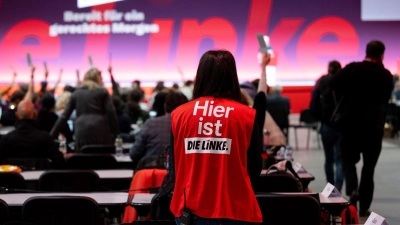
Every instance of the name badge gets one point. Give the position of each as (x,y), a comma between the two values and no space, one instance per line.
(330,191)
(375,219)
(297,166)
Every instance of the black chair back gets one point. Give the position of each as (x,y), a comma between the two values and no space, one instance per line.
(29,163)
(281,182)
(152,162)
(12,180)
(69,181)
(306,117)
(98,149)
(289,209)
(4,213)
(91,162)
(66,210)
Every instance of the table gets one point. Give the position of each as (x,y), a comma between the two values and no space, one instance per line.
(145,198)
(124,158)
(115,180)
(127,146)
(142,204)
(102,198)
(103,174)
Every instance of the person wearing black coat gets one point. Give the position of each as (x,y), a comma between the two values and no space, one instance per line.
(96,121)
(27,141)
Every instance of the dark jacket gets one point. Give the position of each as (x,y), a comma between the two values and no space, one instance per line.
(124,122)
(279,108)
(152,138)
(46,120)
(96,122)
(26,141)
(366,87)
(8,117)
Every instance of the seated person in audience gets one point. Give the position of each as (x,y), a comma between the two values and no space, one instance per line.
(136,86)
(123,119)
(273,136)
(8,117)
(187,89)
(133,107)
(47,117)
(396,91)
(278,107)
(26,141)
(4,105)
(155,133)
(62,102)
(250,87)
(159,102)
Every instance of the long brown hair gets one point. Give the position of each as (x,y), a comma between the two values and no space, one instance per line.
(92,79)
(216,76)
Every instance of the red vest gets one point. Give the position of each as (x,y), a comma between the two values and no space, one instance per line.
(210,149)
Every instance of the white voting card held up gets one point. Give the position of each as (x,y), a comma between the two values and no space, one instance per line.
(375,219)
(330,191)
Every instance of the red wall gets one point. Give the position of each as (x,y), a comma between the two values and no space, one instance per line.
(300,97)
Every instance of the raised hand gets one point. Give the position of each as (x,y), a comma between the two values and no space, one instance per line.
(265,59)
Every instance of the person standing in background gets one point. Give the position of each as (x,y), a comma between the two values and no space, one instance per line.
(278,107)
(96,122)
(322,105)
(364,113)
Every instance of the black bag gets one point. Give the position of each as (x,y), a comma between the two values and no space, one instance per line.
(152,162)
(286,167)
(162,200)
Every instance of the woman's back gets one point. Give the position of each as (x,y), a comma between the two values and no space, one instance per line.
(212,137)
(90,101)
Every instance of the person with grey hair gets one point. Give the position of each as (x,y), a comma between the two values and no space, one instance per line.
(278,107)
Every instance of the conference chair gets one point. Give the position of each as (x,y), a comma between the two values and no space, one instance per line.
(98,149)
(11,180)
(69,181)
(306,122)
(281,182)
(29,163)
(4,213)
(289,209)
(91,162)
(66,210)
(143,181)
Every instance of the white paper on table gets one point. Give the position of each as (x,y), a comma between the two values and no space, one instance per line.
(330,191)
(375,219)
(298,168)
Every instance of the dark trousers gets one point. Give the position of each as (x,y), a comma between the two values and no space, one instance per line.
(367,142)
(330,141)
